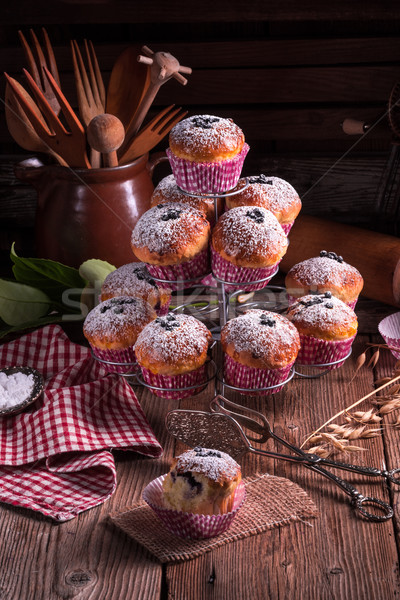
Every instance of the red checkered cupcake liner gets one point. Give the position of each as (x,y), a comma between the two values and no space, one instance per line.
(389,328)
(228,272)
(189,525)
(173,384)
(184,274)
(117,356)
(316,352)
(291,300)
(244,377)
(207,177)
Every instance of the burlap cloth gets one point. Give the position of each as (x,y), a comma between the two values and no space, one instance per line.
(270,502)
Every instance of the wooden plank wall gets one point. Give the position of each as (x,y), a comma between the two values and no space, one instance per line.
(287,73)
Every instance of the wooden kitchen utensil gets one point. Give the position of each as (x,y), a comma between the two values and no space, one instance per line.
(105,134)
(375,255)
(90,93)
(154,132)
(71,145)
(43,59)
(19,125)
(128,84)
(163,66)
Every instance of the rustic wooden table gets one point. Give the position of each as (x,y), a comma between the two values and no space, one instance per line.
(337,555)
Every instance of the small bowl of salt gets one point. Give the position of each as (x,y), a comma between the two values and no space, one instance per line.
(19,387)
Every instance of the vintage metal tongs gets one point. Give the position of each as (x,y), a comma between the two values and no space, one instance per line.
(222,429)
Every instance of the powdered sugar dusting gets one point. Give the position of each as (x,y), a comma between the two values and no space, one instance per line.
(173,345)
(213,464)
(321,270)
(222,134)
(250,236)
(253,333)
(273,193)
(110,319)
(132,279)
(160,234)
(329,312)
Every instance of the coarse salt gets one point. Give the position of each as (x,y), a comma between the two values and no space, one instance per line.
(15,388)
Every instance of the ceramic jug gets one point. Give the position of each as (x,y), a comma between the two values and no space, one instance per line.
(88,213)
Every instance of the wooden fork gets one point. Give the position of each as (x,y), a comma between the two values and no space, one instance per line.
(70,145)
(47,60)
(91,94)
(154,132)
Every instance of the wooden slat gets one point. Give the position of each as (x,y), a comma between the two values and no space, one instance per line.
(271,123)
(178,12)
(239,53)
(358,84)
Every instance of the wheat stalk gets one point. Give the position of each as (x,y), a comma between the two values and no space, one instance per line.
(346,410)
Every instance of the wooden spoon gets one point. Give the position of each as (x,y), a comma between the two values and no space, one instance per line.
(128,84)
(105,133)
(21,128)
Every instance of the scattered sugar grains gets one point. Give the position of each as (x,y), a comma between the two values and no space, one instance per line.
(15,388)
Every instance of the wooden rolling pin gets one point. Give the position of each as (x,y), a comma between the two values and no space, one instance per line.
(375,255)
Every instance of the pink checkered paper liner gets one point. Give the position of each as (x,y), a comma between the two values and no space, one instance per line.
(292,299)
(287,227)
(126,355)
(55,458)
(190,525)
(175,382)
(164,309)
(314,351)
(242,376)
(207,177)
(389,328)
(225,270)
(187,271)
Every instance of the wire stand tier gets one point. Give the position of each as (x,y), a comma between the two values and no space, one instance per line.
(211,301)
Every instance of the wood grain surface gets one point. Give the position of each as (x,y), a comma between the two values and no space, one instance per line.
(338,555)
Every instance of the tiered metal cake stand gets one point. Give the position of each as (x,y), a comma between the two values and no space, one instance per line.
(208,299)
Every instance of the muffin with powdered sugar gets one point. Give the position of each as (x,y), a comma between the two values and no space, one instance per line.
(247,245)
(273,193)
(327,328)
(327,272)
(260,348)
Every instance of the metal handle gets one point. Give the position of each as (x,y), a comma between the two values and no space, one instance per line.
(369,471)
(357,499)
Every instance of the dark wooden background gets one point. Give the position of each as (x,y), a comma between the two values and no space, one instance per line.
(288,73)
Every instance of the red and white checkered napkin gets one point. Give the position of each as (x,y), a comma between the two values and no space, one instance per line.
(56,458)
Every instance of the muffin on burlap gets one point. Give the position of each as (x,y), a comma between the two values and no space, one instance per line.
(327,328)
(324,273)
(260,348)
(112,328)
(272,193)
(172,239)
(206,154)
(247,245)
(201,494)
(173,352)
(135,280)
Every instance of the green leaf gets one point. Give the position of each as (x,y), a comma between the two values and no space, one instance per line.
(46,320)
(50,276)
(20,303)
(95,270)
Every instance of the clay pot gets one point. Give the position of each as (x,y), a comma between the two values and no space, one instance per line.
(88,213)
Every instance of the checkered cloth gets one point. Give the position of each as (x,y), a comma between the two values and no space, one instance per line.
(56,458)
